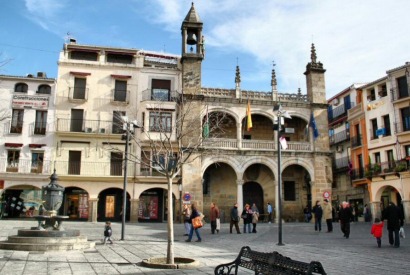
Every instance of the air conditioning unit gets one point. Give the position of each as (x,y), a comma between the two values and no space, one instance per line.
(88,130)
(339,149)
(101,130)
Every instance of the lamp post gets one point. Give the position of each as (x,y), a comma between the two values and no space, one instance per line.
(126,137)
(280,113)
(180,201)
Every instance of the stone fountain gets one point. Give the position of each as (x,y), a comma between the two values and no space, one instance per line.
(49,234)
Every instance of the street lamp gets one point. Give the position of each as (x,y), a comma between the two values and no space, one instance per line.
(280,113)
(126,137)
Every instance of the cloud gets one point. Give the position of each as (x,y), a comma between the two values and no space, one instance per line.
(45,12)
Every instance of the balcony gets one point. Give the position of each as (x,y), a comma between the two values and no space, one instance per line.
(356,141)
(88,126)
(120,96)
(8,128)
(25,166)
(357,174)
(258,145)
(77,94)
(398,94)
(339,137)
(38,128)
(341,163)
(401,127)
(147,95)
(384,168)
(339,112)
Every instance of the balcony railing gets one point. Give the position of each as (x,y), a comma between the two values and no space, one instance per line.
(341,163)
(38,128)
(147,95)
(76,94)
(356,140)
(8,128)
(401,127)
(382,168)
(25,166)
(339,111)
(339,137)
(220,143)
(397,94)
(258,145)
(120,96)
(356,174)
(88,126)
(223,143)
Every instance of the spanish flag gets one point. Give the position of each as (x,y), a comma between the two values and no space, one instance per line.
(248,117)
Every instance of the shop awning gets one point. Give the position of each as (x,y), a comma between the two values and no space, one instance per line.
(80,73)
(13,145)
(34,145)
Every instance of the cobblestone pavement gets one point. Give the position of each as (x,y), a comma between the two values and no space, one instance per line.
(357,255)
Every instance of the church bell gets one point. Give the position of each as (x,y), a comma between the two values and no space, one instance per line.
(191,40)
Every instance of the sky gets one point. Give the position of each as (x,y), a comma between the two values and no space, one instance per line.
(357,41)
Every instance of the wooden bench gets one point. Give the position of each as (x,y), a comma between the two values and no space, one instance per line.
(268,263)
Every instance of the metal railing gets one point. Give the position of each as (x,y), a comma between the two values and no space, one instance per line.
(25,166)
(12,129)
(340,163)
(77,93)
(120,96)
(147,95)
(88,126)
(339,111)
(397,94)
(339,137)
(356,140)
(38,128)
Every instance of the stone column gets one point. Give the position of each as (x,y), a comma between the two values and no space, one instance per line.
(240,195)
(406,208)
(239,135)
(134,210)
(92,209)
(376,209)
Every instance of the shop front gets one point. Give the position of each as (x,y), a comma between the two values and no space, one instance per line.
(75,204)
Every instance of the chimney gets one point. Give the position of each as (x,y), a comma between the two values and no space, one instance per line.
(41,75)
(73,41)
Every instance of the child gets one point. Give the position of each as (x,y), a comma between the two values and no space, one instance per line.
(107,233)
(377,231)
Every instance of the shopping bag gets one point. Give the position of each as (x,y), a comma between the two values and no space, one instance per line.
(196,222)
(401,233)
(218,224)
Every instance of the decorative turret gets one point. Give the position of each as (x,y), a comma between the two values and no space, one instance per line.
(238,82)
(315,79)
(274,83)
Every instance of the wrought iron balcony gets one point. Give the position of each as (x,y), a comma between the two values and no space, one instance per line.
(172,96)
(339,137)
(88,126)
(16,128)
(356,140)
(341,163)
(356,174)
(77,94)
(339,111)
(120,96)
(397,94)
(25,166)
(38,128)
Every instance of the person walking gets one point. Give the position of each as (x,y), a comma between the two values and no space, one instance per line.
(234,219)
(377,231)
(186,214)
(395,219)
(255,217)
(269,210)
(328,215)
(214,214)
(107,232)
(345,217)
(247,218)
(194,214)
(318,211)
(307,213)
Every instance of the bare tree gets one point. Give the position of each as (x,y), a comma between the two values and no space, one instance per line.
(167,147)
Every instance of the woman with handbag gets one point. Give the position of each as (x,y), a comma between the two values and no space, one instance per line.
(247,218)
(196,224)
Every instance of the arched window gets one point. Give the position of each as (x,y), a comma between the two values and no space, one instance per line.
(21,88)
(44,89)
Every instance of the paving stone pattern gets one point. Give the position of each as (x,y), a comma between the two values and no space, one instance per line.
(357,255)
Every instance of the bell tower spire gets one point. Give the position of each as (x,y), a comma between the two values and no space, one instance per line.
(238,82)
(274,83)
(193,51)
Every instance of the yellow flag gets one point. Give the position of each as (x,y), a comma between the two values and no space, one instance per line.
(248,117)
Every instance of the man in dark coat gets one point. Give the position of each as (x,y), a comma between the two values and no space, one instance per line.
(234,219)
(345,216)
(395,219)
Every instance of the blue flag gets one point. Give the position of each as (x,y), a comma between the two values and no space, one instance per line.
(312,123)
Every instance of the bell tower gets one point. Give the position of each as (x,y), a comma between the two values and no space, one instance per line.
(315,79)
(193,52)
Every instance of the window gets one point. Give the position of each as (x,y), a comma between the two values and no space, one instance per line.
(402,87)
(41,123)
(383,90)
(390,158)
(21,88)
(74,162)
(79,88)
(17,121)
(119,58)
(407,149)
(289,191)
(374,128)
(377,158)
(120,91)
(405,118)
(37,159)
(161,90)
(77,120)
(160,121)
(13,157)
(117,123)
(386,121)
(82,55)
(44,89)
(360,163)
(371,95)
(116,164)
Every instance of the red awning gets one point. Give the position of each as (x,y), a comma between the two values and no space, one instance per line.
(34,145)
(80,73)
(119,76)
(13,145)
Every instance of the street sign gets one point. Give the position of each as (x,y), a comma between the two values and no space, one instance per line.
(187,196)
(326,195)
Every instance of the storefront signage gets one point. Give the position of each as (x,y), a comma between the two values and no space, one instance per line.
(30,101)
